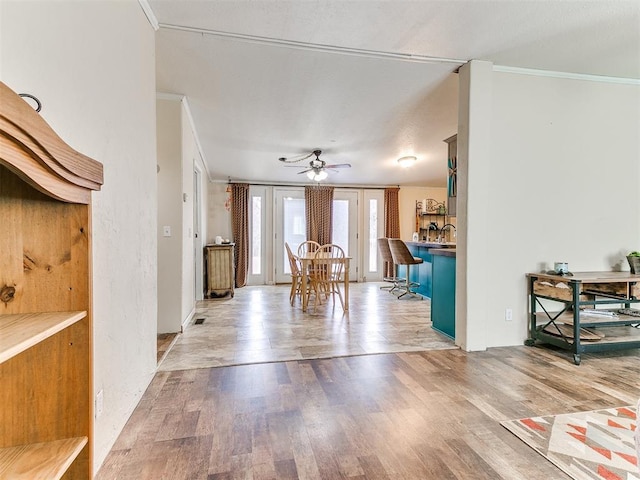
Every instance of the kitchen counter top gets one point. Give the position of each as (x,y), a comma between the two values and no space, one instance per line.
(445,252)
(432,244)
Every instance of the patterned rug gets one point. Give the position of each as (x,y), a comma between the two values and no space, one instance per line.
(585,445)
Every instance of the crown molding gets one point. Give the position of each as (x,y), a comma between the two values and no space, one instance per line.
(151,17)
(567,75)
(359,52)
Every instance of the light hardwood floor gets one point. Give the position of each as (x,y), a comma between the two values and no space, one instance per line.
(259,325)
(413,415)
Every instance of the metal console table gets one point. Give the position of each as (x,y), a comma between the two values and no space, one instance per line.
(587,300)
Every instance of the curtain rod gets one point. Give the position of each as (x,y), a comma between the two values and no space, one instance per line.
(292,184)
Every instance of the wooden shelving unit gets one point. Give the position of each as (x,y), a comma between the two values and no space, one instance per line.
(432,213)
(46,389)
(20,332)
(48,460)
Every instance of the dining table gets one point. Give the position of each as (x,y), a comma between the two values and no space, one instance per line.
(306,261)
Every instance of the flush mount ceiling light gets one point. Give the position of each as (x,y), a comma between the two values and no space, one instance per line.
(406,162)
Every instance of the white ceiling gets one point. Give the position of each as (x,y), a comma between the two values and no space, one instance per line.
(266,79)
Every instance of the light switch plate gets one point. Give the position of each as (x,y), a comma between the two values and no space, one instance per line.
(99,403)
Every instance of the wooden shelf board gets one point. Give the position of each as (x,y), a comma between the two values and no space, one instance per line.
(46,461)
(611,335)
(589,320)
(18,332)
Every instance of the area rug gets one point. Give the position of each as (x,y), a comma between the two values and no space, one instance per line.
(586,445)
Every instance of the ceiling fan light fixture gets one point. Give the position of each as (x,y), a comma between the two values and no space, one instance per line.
(406,162)
(317,176)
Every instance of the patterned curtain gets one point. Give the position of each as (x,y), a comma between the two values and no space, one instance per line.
(391,222)
(240,229)
(319,209)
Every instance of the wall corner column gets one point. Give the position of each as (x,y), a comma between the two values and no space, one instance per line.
(474,170)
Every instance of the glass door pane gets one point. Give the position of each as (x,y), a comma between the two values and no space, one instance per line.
(290,228)
(373,229)
(345,227)
(258,234)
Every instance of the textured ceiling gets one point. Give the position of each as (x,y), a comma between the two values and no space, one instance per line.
(267,79)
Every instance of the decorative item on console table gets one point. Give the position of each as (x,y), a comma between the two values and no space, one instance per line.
(634,262)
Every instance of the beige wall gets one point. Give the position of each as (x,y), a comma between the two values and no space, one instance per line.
(98,93)
(218,217)
(407,199)
(552,176)
(170,275)
(179,256)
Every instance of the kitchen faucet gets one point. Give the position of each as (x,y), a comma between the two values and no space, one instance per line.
(441,237)
(432,226)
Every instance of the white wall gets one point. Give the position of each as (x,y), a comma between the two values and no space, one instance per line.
(563,164)
(169,128)
(472,265)
(178,157)
(98,93)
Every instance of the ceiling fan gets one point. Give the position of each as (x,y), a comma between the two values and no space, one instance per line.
(317,170)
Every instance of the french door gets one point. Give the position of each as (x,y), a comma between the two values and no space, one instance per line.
(259,232)
(373,228)
(291,227)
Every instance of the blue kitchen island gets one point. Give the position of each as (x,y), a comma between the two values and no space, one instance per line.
(437,278)
(423,272)
(443,299)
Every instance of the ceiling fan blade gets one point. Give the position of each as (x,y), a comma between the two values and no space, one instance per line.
(339,165)
(295,159)
(305,171)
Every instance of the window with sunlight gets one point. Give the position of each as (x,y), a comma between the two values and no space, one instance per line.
(373,235)
(256,235)
(340,235)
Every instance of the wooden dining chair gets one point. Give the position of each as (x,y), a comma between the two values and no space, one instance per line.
(307,247)
(296,274)
(326,273)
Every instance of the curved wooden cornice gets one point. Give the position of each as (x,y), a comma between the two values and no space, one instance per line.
(31,149)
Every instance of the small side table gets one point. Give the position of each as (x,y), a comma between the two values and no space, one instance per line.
(219,272)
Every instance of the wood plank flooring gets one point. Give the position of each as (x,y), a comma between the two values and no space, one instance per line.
(415,415)
(165,341)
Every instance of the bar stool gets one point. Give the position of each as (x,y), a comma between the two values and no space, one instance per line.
(385,253)
(402,256)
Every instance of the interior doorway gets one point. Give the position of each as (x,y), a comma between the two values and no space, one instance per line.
(197,236)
